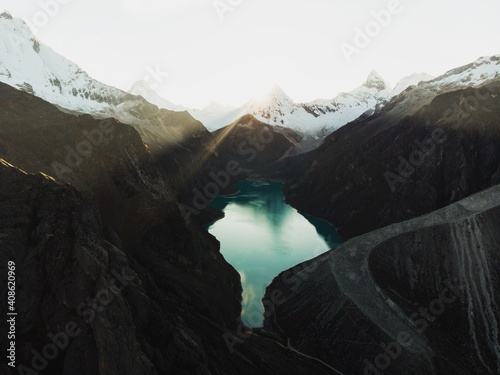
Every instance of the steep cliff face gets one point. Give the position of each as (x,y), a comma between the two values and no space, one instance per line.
(418,297)
(110,165)
(63,263)
(423,151)
(176,139)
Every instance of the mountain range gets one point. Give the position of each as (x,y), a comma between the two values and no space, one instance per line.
(413,188)
(35,68)
(95,183)
(314,119)
(317,118)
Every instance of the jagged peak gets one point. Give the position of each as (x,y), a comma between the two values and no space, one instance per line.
(6,15)
(276,90)
(487,60)
(275,95)
(477,72)
(278,93)
(376,81)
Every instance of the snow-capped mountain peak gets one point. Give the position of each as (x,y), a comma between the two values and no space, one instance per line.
(15,25)
(144,89)
(474,74)
(277,93)
(375,81)
(30,66)
(317,118)
(274,96)
(272,107)
(35,68)
(411,80)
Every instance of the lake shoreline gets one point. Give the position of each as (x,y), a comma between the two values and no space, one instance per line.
(261,235)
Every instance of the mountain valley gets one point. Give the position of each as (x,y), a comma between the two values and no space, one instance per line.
(105,196)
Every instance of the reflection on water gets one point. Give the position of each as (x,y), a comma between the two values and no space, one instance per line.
(262,236)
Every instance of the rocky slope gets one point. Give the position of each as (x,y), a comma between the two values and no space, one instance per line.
(430,146)
(418,297)
(35,68)
(254,144)
(177,141)
(144,292)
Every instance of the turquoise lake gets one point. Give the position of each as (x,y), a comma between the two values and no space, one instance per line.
(261,236)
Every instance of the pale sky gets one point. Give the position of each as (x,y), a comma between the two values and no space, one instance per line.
(250,45)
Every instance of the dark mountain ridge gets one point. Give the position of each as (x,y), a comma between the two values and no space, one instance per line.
(417,297)
(394,166)
(99,242)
